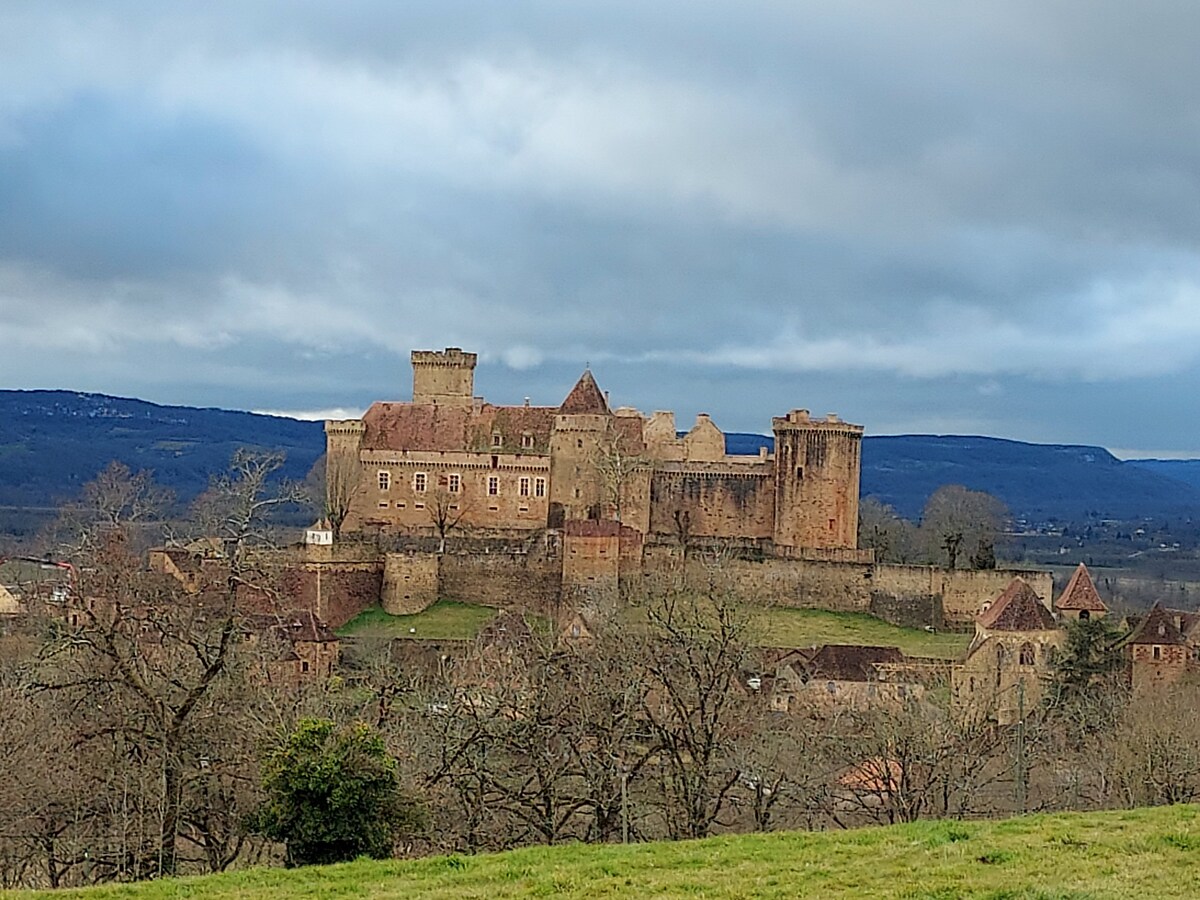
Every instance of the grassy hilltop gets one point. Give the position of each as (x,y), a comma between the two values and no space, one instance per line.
(1138,853)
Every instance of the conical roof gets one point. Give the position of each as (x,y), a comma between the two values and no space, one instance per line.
(1081,593)
(1157,628)
(1017,609)
(585,398)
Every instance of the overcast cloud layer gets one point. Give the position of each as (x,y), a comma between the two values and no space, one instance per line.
(939,217)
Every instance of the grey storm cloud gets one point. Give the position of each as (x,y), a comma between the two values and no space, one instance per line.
(941,217)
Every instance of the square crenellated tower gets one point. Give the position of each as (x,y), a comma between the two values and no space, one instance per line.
(444,377)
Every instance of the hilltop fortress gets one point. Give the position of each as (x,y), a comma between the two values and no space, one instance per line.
(450,457)
(564,509)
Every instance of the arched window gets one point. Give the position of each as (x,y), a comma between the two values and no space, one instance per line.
(1027,654)
(1084,615)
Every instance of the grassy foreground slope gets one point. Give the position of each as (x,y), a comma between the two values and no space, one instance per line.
(1140,853)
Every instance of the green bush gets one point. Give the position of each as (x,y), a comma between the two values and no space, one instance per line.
(333,794)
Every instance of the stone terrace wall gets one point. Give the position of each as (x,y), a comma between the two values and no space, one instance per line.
(510,580)
(913,596)
(335,592)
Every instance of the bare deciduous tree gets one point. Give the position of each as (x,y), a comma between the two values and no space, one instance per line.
(960,524)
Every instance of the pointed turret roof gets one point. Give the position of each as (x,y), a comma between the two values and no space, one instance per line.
(1157,628)
(1017,609)
(585,398)
(1081,593)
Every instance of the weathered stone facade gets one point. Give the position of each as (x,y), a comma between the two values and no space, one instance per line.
(1004,673)
(450,461)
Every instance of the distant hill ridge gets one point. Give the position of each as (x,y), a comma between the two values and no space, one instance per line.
(52,442)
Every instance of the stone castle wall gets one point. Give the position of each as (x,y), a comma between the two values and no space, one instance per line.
(509,580)
(712,500)
(913,596)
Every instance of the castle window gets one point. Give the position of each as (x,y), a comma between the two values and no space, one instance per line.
(418,506)
(527,441)
(1084,615)
(1027,654)
(304,667)
(493,486)
(454,483)
(539,487)
(497,440)
(385,480)
(1157,652)
(524,487)
(579,443)
(420,482)
(383,504)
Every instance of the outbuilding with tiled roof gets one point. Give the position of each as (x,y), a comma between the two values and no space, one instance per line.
(1080,599)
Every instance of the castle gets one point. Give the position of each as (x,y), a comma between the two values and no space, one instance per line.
(449,460)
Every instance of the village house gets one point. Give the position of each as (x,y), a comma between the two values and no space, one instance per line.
(1157,651)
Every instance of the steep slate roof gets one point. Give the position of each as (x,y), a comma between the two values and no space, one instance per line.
(1157,628)
(1017,609)
(1081,593)
(585,398)
(841,662)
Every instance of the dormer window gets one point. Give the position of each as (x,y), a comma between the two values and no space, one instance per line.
(526,441)
(497,440)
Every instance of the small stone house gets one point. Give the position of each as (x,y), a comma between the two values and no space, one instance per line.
(1158,653)
(297,647)
(840,676)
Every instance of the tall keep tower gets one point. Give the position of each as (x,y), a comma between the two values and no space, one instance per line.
(444,377)
(817,468)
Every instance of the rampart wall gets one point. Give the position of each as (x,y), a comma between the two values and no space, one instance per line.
(511,580)
(913,596)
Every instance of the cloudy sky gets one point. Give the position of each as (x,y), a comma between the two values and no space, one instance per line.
(937,217)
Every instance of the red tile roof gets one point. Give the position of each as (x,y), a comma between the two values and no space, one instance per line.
(1081,593)
(585,398)
(293,625)
(843,662)
(1157,628)
(427,426)
(1017,609)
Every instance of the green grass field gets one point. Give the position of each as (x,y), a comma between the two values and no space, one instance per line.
(445,620)
(1145,853)
(780,627)
(775,627)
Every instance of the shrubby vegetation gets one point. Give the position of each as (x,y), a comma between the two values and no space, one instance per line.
(141,738)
